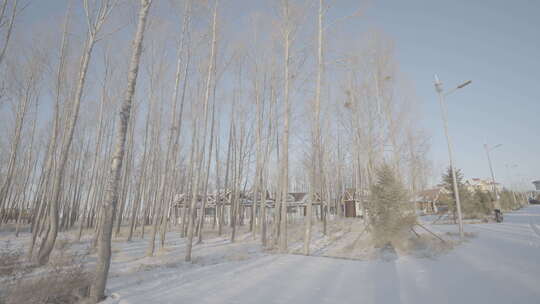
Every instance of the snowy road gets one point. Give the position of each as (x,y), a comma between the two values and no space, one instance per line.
(500,265)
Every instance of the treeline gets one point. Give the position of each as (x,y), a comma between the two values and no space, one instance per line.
(477,203)
(211,111)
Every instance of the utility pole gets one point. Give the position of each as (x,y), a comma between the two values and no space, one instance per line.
(488,149)
(512,185)
(439,89)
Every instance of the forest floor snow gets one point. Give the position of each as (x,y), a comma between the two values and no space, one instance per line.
(498,263)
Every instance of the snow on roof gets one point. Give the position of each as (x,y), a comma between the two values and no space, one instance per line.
(297,196)
(430,195)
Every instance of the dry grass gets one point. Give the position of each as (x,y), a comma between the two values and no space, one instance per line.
(12,262)
(424,246)
(348,238)
(468,235)
(64,279)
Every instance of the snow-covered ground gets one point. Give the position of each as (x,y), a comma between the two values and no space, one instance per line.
(499,264)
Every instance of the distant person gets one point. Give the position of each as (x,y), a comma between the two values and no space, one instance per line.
(497,211)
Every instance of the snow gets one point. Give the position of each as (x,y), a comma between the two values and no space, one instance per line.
(499,264)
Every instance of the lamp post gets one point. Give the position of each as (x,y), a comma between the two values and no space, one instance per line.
(442,94)
(489,149)
(510,181)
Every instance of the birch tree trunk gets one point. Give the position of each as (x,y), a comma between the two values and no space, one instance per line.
(207,176)
(9,30)
(203,144)
(285,157)
(97,291)
(93,30)
(257,193)
(22,110)
(227,195)
(316,153)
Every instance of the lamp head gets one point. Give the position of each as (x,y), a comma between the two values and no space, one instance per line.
(438,84)
(466,83)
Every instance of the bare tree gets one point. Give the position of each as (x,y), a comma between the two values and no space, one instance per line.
(316,155)
(109,206)
(25,87)
(94,27)
(201,152)
(7,24)
(287,36)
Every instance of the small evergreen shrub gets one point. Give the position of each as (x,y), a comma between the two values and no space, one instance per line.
(391,214)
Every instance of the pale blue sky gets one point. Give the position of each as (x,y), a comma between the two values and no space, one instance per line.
(496,44)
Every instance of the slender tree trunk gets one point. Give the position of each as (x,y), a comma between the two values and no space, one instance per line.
(22,110)
(94,28)
(257,193)
(285,157)
(9,29)
(205,190)
(193,205)
(97,291)
(317,163)
(203,144)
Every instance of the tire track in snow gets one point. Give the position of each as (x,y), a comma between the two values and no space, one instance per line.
(296,278)
(419,283)
(523,238)
(226,287)
(504,230)
(499,273)
(514,226)
(535,229)
(495,267)
(166,285)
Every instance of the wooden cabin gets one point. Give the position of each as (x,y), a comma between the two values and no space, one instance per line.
(428,201)
(351,203)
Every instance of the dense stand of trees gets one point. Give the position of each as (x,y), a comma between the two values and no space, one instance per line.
(219,113)
(477,203)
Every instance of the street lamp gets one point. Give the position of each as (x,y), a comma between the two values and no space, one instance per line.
(442,94)
(488,149)
(510,181)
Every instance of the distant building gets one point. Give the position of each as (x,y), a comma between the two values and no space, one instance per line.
(536,184)
(483,185)
(429,201)
(352,202)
